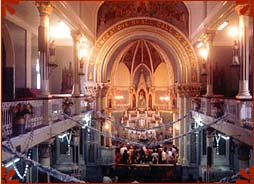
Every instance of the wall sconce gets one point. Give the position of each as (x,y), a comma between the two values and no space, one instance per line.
(106,126)
(233,32)
(119,97)
(200,44)
(204,53)
(177,128)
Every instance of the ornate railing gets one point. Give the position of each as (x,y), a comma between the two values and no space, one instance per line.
(31,121)
(56,109)
(45,112)
(239,111)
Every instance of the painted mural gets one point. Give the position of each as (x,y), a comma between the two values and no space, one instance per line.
(112,12)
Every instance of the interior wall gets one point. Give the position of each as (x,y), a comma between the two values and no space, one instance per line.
(225,76)
(161,76)
(64,56)
(122,76)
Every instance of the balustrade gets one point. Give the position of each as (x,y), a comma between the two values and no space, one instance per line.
(44,111)
(239,111)
(57,109)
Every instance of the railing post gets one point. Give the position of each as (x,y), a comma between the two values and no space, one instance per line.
(47,110)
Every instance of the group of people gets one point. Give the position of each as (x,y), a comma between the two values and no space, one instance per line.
(167,154)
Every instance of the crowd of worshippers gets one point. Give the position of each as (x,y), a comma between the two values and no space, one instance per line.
(167,154)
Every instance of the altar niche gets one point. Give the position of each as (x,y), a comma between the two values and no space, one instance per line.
(142,105)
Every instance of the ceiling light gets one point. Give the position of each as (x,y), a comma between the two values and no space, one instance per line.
(222,26)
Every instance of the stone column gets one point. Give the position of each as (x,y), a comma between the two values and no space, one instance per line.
(76,35)
(243,156)
(243,92)
(43,35)
(209,41)
(44,159)
(209,146)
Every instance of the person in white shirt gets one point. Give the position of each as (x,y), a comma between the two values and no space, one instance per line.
(170,156)
(122,149)
(164,155)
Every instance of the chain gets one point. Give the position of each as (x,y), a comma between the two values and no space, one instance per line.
(26,149)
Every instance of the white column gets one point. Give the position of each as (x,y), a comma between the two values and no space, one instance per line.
(185,130)
(43,36)
(209,42)
(243,92)
(76,38)
(180,105)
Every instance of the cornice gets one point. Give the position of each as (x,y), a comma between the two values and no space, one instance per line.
(222,10)
(66,11)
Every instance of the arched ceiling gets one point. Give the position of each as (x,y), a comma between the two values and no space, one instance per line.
(142,52)
(111,12)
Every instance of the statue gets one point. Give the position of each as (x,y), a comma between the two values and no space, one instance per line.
(235,53)
(67,79)
(141,99)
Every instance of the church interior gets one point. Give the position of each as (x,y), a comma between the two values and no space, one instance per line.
(127,91)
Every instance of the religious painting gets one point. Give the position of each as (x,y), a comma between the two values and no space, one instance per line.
(133,101)
(141,99)
(172,12)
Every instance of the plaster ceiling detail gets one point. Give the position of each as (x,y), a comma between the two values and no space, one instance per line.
(142,52)
(112,12)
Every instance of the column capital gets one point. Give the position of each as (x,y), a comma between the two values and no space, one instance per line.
(209,35)
(76,35)
(44,8)
(103,89)
(239,7)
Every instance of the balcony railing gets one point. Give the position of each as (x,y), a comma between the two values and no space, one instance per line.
(45,111)
(239,111)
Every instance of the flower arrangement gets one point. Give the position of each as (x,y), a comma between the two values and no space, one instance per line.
(89,99)
(67,103)
(19,111)
(196,103)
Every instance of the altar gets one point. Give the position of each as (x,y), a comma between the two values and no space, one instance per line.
(142,122)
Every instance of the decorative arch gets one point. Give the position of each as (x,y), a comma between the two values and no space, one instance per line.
(164,34)
(110,12)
